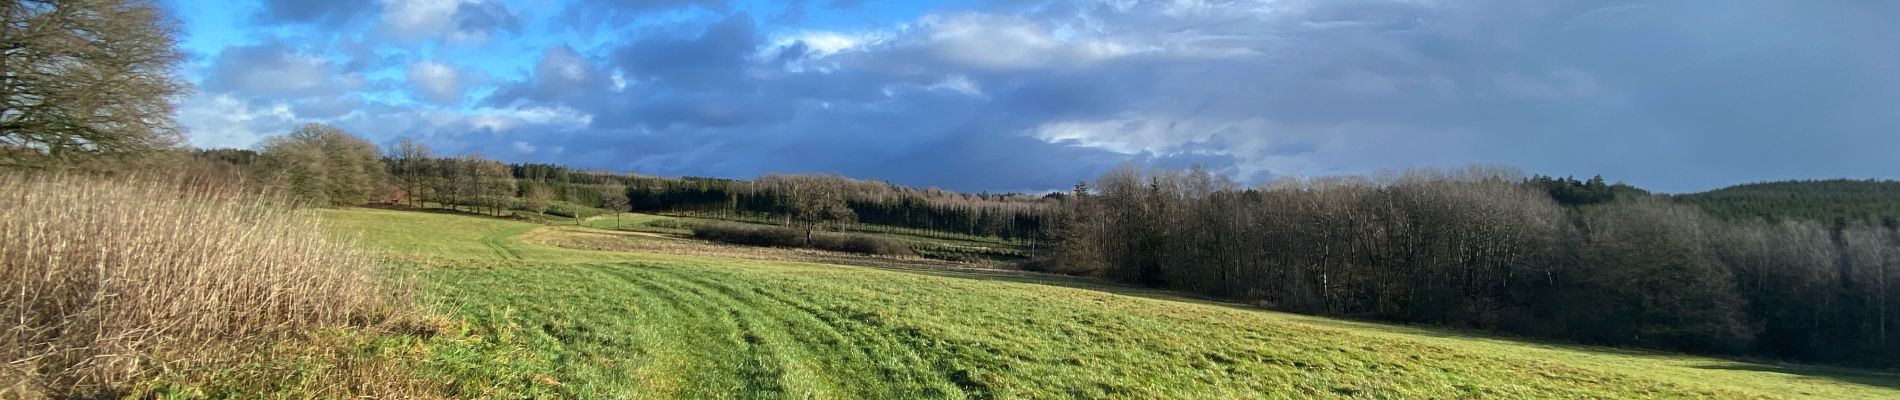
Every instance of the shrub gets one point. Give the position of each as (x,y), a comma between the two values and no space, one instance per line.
(751,235)
(109,281)
(862,244)
(775,236)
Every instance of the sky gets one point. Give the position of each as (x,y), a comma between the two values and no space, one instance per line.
(1012,95)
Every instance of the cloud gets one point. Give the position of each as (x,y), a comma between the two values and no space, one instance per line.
(222,120)
(466,21)
(276,70)
(522,147)
(479,18)
(437,82)
(714,55)
(1003,42)
(1016,95)
(560,75)
(320,12)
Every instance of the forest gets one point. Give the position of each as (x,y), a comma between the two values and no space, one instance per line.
(324,166)
(1485,248)
(1834,201)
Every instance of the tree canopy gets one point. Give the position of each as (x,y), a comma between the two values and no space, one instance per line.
(86,78)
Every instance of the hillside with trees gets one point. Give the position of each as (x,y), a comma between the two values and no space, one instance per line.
(320,264)
(1485,248)
(1835,201)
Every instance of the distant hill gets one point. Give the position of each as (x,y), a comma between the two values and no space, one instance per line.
(1833,201)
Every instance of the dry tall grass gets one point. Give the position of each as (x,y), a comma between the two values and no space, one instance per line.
(111,280)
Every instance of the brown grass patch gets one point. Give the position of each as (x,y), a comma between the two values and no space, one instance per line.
(644,242)
(109,282)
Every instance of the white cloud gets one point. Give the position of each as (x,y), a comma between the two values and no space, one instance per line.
(416,19)
(825,43)
(504,120)
(1261,146)
(1136,133)
(455,20)
(999,42)
(958,83)
(437,82)
(221,120)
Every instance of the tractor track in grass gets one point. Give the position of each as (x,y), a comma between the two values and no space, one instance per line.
(502,242)
(784,346)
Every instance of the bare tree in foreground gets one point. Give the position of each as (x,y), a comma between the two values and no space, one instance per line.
(85,78)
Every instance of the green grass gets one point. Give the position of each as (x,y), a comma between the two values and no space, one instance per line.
(542,321)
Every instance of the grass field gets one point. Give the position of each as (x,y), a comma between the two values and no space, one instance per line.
(537,317)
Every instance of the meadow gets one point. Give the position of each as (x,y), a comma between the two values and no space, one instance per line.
(533,310)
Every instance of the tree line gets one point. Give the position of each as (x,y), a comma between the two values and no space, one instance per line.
(784,197)
(325,166)
(1835,201)
(1486,248)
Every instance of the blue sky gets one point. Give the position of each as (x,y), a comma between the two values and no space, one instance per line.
(1032,95)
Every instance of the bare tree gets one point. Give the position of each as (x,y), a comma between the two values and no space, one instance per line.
(495,186)
(817,204)
(537,198)
(411,169)
(86,78)
(614,198)
(1873,258)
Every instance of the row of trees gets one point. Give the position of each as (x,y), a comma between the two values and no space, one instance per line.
(480,184)
(787,197)
(1836,201)
(325,166)
(1486,248)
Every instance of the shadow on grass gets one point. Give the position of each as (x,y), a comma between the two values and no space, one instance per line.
(1888,380)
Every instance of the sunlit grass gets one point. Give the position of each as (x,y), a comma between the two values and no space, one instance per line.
(545,321)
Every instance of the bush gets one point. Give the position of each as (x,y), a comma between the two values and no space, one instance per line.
(108,281)
(750,235)
(774,236)
(862,244)
(561,211)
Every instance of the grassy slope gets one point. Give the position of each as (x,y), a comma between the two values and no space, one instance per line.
(546,321)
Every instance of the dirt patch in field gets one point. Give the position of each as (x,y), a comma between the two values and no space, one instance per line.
(582,238)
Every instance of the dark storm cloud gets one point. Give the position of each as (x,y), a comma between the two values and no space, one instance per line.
(1036,95)
(692,61)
